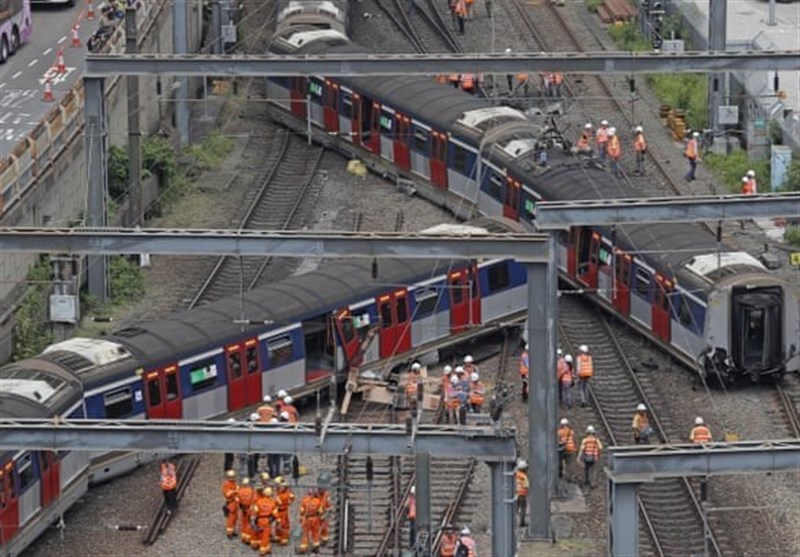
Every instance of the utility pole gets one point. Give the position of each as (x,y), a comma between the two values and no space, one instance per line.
(717,40)
(135,210)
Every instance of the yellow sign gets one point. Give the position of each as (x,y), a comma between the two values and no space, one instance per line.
(794,258)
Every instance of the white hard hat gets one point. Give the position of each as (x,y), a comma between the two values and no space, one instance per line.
(522,464)
(285,415)
(231,420)
(604,123)
(413,489)
(254,417)
(282,393)
(568,358)
(465,531)
(274,420)
(526,346)
(415,366)
(590,429)
(698,421)
(288,400)
(473,376)
(267,398)
(641,407)
(559,352)
(612,131)
(447,370)
(564,421)
(454,379)
(583,348)
(639,129)
(459,369)
(745,179)
(588,126)
(695,134)
(751,173)
(508,50)
(468,359)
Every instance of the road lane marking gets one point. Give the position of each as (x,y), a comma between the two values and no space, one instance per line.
(16,75)
(62,39)
(32,62)
(48,51)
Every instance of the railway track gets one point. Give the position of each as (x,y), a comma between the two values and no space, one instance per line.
(276,206)
(185,472)
(672,517)
(430,17)
(789,398)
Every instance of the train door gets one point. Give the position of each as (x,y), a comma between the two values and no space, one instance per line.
(356,118)
(439,160)
(572,251)
(236,378)
(9,504)
(660,311)
(622,281)
(588,246)
(330,110)
(252,365)
(348,339)
(51,477)
(163,394)
(465,302)
(373,142)
(298,97)
(511,202)
(402,136)
(395,323)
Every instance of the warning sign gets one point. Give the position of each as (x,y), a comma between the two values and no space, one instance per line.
(794,258)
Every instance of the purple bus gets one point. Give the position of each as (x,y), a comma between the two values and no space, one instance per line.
(15,26)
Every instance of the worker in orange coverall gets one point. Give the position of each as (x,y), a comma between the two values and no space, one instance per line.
(310,511)
(230,490)
(265,510)
(285,498)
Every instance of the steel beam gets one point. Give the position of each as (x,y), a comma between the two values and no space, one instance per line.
(554,215)
(523,247)
(503,506)
(107,65)
(636,465)
(184,436)
(422,474)
(95,138)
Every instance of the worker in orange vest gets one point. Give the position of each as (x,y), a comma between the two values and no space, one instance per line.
(523,485)
(324,482)
(284,498)
(589,453)
(469,5)
(169,485)
(265,509)
(310,511)
(230,490)
(640,148)
(522,81)
(246,497)
(556,79)
(454,79)
(453,397)
(585,371)
(565,379)
(641,425)
(449,542)
(266,411)
(584,144)
(524,361)
(477,393)
(601,140)
(468,82)
(291,409)
(412,385)
(614,150)
(700,432)
(566,445)
(692,154)
(751,175)
(460,12)
(411,514)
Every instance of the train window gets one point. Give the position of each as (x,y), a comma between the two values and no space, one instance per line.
(386,121)
(25,472)
(154,392)
(427,301)
(642,282)
(202,375)
(421,140)
(459,159)
(474,285)
(235,363)
(495,186)
(457,289)
(347,103)
(402,309)
(118,403)
(530,209)
(172,386)
(347,328)
(251,356)
(605,255)
(684,310)
(498,276)
(315,89)
(280,350)
(386,315)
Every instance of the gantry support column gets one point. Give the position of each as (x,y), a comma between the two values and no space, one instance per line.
(623,519)
(717,39)
(422,472)
(135,204)
(503,507)
(542,338)
(95,138)
(180,45)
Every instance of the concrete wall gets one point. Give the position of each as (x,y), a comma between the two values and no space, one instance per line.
(59,196)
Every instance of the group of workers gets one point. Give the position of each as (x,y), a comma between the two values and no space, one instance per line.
(604,144)
(453,543)
(261,512)
(461,390)
(568,373)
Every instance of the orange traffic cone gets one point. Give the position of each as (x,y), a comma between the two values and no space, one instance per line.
(48,92)
(90,11)
(76,40)
(61,67)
